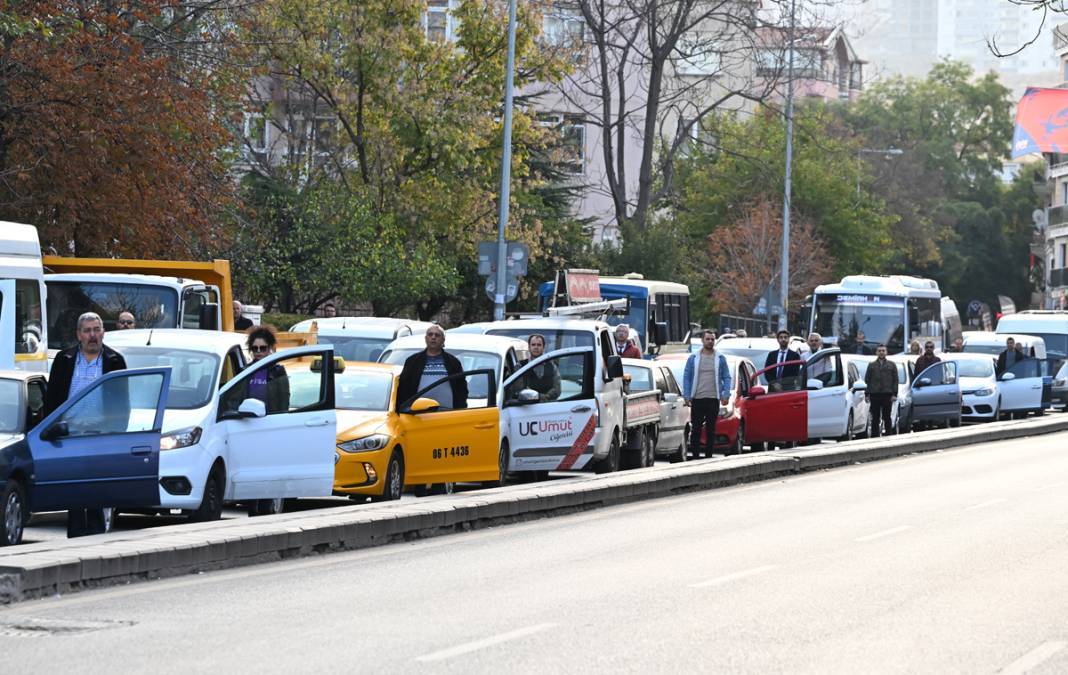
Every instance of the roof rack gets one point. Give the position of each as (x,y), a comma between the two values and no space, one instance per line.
(590,309)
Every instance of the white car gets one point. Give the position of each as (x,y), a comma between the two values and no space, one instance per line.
(757,349)
(646,375)
(978,385)
(898,412)
(1021,388)
(361,338)
(219,442)
(858,400)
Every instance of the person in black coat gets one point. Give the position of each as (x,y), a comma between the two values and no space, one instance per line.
(1010,357)
(80,365)
(241,323)
(433,363)
(782,355)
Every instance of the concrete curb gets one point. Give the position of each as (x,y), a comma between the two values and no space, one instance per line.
(46,568)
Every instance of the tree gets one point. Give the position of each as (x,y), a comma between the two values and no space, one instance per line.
(111,138)
(743,257)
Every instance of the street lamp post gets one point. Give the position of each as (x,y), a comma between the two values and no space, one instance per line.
(506,172)
(784,281)
(887,152)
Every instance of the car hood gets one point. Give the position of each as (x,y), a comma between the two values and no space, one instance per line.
(359,423)
(174,420)
(973,383)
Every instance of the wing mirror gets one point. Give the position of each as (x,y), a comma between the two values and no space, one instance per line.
(250,408)
(1008,377)
(57,430)
(757,390)
(671,397)
(860,385)
(422,405)
(614,366)
(660,333)
(923,382)
(814,384)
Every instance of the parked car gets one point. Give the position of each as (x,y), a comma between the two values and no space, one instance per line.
(100,449)
(1023,388)
(757,349)
(672,433)
(899,413)
(936,396)
(360,338)
(219,444)
(981,396)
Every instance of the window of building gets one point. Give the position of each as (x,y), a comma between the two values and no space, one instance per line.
(1064,256)
(696,55)
(1064,192)
(438,21)
(313,139)
(563,27)
(571,146)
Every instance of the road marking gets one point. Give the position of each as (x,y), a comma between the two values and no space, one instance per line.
(469,647)
(1048,486)
(1034,658)
(983,505)
(719,581)
(884,533)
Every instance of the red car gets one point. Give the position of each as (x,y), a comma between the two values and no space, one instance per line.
(732,417)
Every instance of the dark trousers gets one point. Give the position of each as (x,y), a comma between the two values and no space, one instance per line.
(703,411)
(880,408)
(83,522)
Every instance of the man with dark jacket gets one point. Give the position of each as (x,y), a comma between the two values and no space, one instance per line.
(881,379)
(428,366)
(780,356)
(927,359)
(72,370)
(1010,357)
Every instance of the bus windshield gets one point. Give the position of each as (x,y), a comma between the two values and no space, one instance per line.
(873,319)
(152,307)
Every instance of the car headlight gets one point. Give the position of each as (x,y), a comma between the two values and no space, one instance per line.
(182,438)
(1059,382)
(985,391)
(365,444)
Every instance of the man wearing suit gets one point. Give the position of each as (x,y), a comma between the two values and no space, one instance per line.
(780,356)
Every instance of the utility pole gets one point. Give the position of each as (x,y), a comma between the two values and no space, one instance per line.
(506,172)
(784,286)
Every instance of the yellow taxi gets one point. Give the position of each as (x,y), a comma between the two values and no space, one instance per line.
(381,450)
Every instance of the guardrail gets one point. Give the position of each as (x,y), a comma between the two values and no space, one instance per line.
(47,568)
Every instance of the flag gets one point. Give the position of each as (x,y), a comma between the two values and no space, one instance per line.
(1041,122)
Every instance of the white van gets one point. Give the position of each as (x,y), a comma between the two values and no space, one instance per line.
(22,298)
(1052,327)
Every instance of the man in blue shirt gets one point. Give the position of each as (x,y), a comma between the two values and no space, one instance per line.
(706,383)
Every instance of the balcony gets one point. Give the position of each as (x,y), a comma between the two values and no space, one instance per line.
(1058,278)
(1057,170)
(1057,215)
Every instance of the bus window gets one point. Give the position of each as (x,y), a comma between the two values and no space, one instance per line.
(28,329)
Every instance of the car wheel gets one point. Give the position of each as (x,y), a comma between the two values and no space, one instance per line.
(109,519)
(502,467)
(758,447)
(393,485)
(266,507)
(212,503)
(849,428)
(634,457)
(997,412)
(680,453)
(650,450)
(609,464)
(13,517)
(955,422)
(739,440)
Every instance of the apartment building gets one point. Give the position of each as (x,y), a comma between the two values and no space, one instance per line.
(1052,248)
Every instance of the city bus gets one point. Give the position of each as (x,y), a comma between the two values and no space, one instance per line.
(861,312)
(649,303)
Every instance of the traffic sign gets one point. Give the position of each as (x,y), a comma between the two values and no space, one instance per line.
(516,257)
(511,288)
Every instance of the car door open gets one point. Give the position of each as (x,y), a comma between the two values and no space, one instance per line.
(828,403)
(776,414)
(101,447)
(1021,386)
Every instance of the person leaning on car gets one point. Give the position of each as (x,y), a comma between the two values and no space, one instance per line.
(881,379)
(428,366)
(1010,357)
(74,369)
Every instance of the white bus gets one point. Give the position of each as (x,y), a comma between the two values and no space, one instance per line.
(23,295)
(862,312)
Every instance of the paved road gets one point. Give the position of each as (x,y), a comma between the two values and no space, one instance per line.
(948,562)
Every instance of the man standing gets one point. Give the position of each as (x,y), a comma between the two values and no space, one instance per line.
(781,356)
(882,391)
(545,378)
(624,347)
(427,367)
(125,321)
(706,383)
(74,369)
(241,323)
(958,345)
(1010,357)
(927,359)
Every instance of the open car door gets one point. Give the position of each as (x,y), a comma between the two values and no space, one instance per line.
(776,411)
(936,394)
(101,447)
(1021,386)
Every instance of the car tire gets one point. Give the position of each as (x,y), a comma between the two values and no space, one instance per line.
(954,423)
(211,504)
(109,518)
(266,507)
(758,447)
(997,412)
(650,451)
(609,464)
(739,440)
(13,514)
(682,451)
(634,457)
(393,485)
(848,436)
(502,468)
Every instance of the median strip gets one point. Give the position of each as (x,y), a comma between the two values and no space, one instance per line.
(46,568)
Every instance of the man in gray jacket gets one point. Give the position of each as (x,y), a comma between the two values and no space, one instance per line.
(706,384)
(881,379)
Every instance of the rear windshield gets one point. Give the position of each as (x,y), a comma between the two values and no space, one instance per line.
(554,339)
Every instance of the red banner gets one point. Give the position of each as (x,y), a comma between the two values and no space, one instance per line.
(1041,122)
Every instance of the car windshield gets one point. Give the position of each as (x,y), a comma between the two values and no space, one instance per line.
(10,406)
(152,307)
(354,389)
(992,350)
(880,318)
(355,348)
(641,379)
(975,368)
(193,373)
(554,339)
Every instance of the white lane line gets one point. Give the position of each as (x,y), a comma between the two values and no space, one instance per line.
(1048,486)
(719,581)
(884,533)
(469,647)
(983,505)
(1034,658)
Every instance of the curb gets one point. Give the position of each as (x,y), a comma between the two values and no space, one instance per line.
(48,568)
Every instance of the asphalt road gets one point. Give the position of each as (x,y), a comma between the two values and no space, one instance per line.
(947,562)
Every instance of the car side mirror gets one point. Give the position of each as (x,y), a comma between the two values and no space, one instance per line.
(860,385)
(209,316)
(671,397)
(250,408)
(57,430)
(614,367)
(422,405)
(660,333)
(923,382)
(757,390)
(814,384)
(527,396)
(1007,377)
